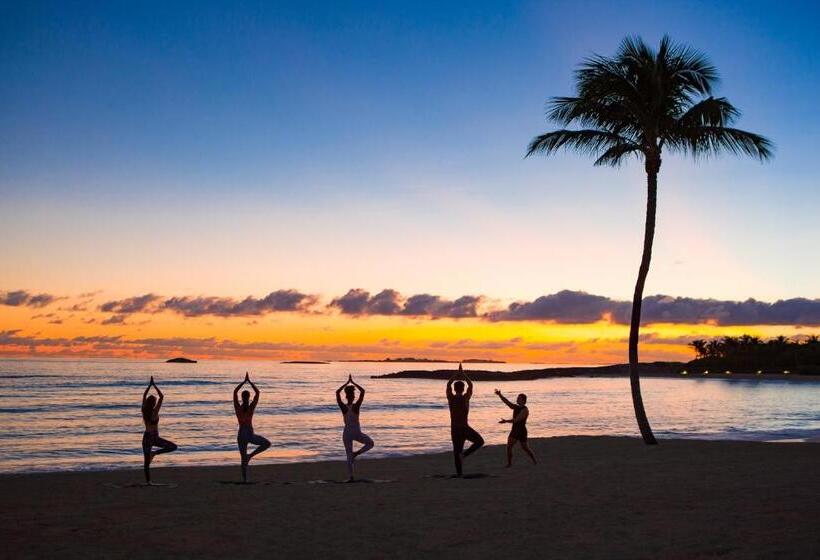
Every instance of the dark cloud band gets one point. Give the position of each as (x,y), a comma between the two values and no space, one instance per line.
(22,298)
(280,300)
(391,302)
(580,307)
(562,307)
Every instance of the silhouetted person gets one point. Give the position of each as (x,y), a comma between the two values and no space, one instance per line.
(518,431)
(460,430)
(150,438)
(353,431)
(244,414)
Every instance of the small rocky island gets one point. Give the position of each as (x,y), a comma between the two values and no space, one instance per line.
(180,360)
(305,362)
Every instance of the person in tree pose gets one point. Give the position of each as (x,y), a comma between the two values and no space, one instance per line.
(460,430)
(244,414)
(150,438)
(352,431)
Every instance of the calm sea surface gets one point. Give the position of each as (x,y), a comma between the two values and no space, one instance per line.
(61,414)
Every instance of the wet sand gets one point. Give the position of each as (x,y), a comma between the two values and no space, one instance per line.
(590,497)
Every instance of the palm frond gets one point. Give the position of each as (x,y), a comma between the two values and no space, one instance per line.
(592,142)
(593,113)
(708,141)
(615,155)
(710,112)
(691,67)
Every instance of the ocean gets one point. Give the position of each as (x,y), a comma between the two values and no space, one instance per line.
(59,414)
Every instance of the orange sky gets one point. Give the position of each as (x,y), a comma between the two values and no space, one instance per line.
(73,327)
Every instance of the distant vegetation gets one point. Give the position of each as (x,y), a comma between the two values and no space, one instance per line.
(750,354)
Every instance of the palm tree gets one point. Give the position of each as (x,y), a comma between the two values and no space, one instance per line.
(638,103)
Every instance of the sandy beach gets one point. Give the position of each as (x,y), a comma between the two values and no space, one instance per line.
(590,497)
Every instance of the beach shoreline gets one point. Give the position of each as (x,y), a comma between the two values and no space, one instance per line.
(589,497)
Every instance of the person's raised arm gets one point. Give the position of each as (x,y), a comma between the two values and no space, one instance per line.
(339,396)
(147,389)
(469,381)
(450,382)
(255,400)
(159,395)
(504,399)
(236,394)
(361,391)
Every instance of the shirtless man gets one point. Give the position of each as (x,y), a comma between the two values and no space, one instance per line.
(460,430)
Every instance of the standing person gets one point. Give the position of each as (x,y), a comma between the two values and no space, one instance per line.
(244,414)
(518,430)
(460,430)
(150,438)
(353,431)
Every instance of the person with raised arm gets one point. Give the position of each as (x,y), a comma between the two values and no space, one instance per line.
(460,429)
(245,435)
(150,438)
(518,430)
(352,431)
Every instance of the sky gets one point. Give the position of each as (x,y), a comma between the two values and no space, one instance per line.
(219,151)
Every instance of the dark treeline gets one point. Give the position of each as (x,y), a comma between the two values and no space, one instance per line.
(750,354)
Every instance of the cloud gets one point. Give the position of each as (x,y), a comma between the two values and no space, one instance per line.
(12,337)
(471,344)
(563,307)
(11,340)
(435,306)
(580,307)
(137,304)
(566,306)
(280,300)
(23,298)
(359,302)
(391,302)
(796,311)
(114,320)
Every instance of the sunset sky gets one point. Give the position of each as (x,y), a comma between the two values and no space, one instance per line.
(349,182)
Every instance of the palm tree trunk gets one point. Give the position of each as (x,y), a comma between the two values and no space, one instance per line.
(652,167)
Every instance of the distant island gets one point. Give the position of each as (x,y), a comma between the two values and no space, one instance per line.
(303,362)
(180,361)
(650,369)
(679,370)
(752,354)
(427,361)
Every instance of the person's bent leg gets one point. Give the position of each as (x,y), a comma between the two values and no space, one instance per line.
(261,445)
(476,439)
(367,444)
(164,445)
